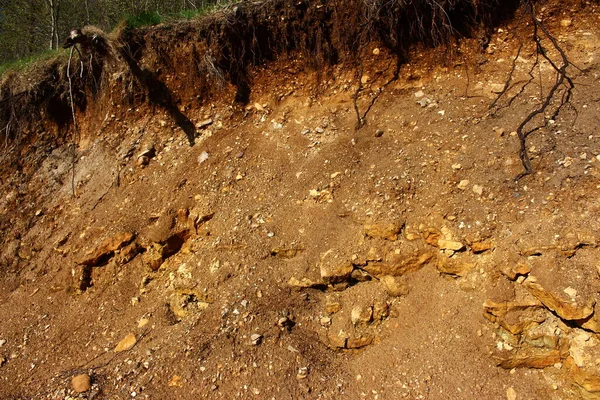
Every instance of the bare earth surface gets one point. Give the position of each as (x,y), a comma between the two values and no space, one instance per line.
(288,256)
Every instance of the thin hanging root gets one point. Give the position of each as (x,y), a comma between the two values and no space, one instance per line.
(507,85)
(562,79)
(75,129)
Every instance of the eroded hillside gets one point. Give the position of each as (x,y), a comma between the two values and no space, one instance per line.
(298,226)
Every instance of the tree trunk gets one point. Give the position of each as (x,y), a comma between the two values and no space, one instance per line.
(87,12)
(54,8)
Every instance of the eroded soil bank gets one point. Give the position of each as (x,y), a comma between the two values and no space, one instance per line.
(270,249)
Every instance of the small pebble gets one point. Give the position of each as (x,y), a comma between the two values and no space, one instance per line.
(256,339)
(81,383)
(302,373)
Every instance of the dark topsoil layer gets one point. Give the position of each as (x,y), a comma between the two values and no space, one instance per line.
(224,47)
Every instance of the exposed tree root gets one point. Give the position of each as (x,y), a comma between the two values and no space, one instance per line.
(361,117)
(561,90)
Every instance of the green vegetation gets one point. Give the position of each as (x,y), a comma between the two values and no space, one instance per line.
(192,14)
(29,27)
(152,18)
(146,18)
(24,63)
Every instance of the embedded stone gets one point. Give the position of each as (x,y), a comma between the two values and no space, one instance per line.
(106,250)
(480,247)
(359,342)
(399,266)
(514,316)
(565,308)
(361,315)
(388,231)
(336,273)
(126,344)
(394,286)
(81,383)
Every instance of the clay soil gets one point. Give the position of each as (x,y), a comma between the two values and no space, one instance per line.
(287,255)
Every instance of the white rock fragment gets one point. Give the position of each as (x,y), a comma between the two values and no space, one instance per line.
(462,185)
(256,339)
(565,23)
(511,394)
(571,292)
(497,88)
(424,102)
(202,157)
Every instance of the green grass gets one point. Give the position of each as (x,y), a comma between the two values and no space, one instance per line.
(152,18)
(147,18)
(24,63)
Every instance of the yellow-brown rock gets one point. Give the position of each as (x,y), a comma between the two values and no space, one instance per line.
(453,267)
(511,394)
(381,310)
(514,316)
(303,283)
(442,239)
(284,252)
(534,356)
(361,341)
(395,286)
(399,266)
(537,250)
(591,323)
(432,236)
(126,344)
(480,247)
(513,271)
(567,249)
(336,273)
(128,253)
(358,275)
(184,302)
(586,378)
(565,308)
(153,257)
(102,253)
(389,231)
(332,306)
(361,315)
(445,244)
(176,381)
(337,339)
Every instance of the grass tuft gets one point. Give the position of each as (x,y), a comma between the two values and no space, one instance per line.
(146,18)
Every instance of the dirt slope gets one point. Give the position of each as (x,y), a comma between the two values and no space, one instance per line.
(288,255)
